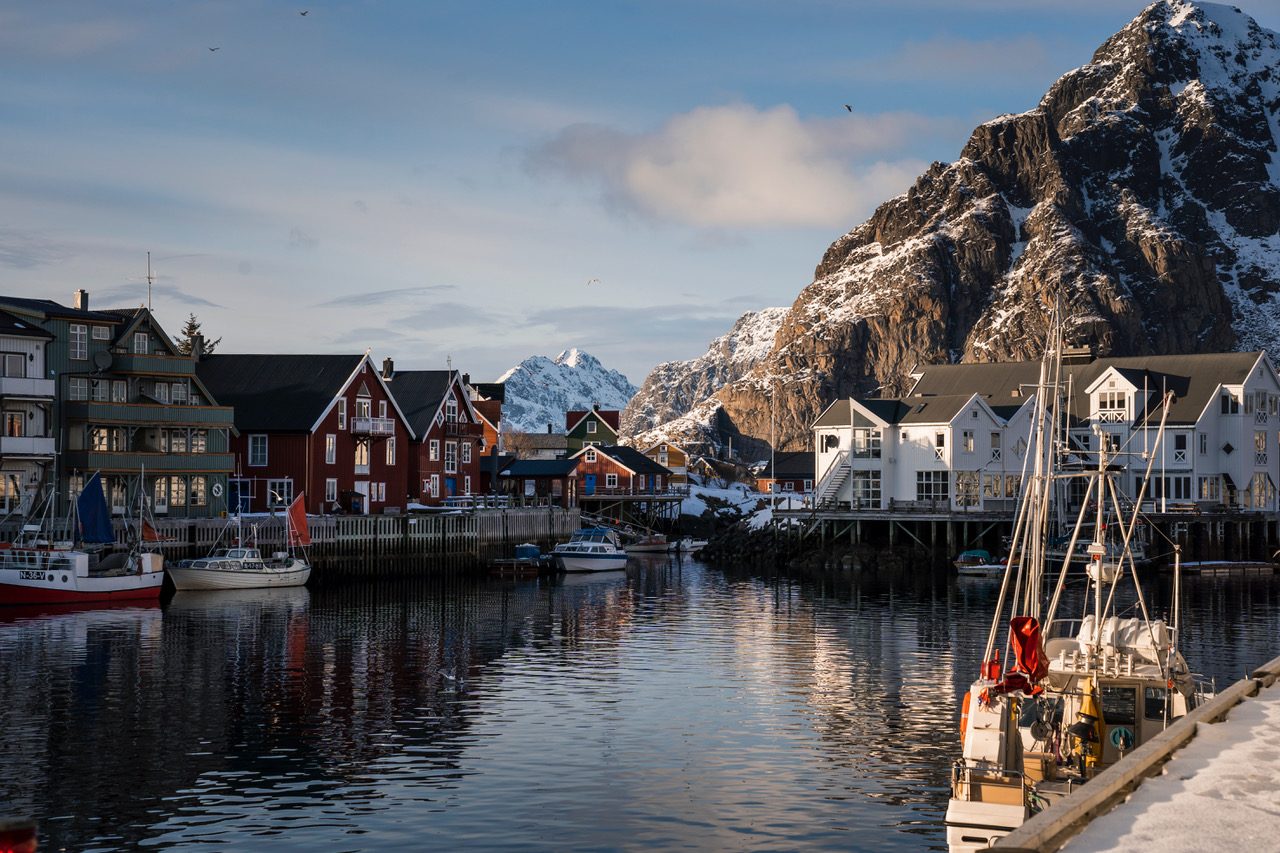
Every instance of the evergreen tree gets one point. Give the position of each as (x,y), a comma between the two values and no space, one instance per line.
(189,332)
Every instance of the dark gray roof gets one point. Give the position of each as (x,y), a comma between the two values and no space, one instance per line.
(287,393)
(929,409)
(545,441)
(632,458)
(49,308)
(790,465)
(540,468)
(11,325)
(418,393)
(491,390)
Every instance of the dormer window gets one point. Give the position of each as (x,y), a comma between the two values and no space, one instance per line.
(451,410)
(590,455)
(141,343)
(1112,406)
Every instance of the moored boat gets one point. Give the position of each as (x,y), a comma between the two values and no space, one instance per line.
(652,543)
(242,566)
(34,569)
(594,549)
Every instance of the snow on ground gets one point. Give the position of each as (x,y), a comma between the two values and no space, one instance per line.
(742,497)
(1221,791)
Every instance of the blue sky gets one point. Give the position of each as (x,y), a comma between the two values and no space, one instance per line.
(439,180)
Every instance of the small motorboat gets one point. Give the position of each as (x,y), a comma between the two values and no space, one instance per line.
(594,549)
(689,545)
(243,566)
(653,543)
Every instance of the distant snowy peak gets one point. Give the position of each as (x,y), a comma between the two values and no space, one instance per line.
(540,390)
(674,388)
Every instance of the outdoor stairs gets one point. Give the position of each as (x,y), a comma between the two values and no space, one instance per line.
(833,480)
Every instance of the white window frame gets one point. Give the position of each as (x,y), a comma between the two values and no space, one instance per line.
(466,453)
(451,457)
(590,455)
(391,450)
(342,413)
(78,342)
(382,408)
(466,484)
(141,343)
(162,392)
(433,450)
(261,440)
(78,388)
(330,448)
(331,490)
(435,485)
(101,333)
(279,492)
(591,427)
(611,481)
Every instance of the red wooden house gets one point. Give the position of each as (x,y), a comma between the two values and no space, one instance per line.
(449,433)
(618,470)
(325,425)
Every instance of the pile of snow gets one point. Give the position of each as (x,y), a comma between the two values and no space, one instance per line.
(740,500)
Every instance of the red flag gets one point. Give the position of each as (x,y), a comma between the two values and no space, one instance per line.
(1027,649)
(299,533)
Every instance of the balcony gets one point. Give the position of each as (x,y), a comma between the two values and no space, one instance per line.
(150,414)
(26,445)
(1111,416)
(462,428)
(22,386)
(160,463)
(373,426)
(151,365)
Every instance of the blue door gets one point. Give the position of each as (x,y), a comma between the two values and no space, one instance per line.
(450,486)
(589,484)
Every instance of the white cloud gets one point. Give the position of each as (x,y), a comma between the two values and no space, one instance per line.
(737,166)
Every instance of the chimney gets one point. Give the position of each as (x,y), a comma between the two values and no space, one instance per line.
(388,368)
(80,300)
(197,346)
(548,429)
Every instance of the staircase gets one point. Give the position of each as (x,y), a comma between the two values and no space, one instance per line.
(833,481)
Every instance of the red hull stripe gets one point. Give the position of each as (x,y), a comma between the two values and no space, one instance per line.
(13,594)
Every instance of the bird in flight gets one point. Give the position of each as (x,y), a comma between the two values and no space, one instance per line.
(592,281)
(304,12)
(849,108)
(212,49)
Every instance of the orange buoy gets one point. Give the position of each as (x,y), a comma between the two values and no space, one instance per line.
(964,715)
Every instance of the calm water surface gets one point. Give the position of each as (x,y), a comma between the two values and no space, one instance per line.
(672,706)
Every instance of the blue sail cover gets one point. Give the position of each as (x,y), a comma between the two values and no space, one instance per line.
(95,518)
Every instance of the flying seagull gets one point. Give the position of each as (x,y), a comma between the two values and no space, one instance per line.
(304,12)
(849,108)
(212,49)
(592,281)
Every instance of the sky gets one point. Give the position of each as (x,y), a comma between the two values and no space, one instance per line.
(472,184)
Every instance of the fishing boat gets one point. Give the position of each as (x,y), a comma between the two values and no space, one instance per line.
(1068,697)
(593,549)
(37,569)
(651,543)
(689,545)
(242,566)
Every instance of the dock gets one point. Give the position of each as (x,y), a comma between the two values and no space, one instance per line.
(1210,780)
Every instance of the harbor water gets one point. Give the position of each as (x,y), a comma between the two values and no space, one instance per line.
(671,706)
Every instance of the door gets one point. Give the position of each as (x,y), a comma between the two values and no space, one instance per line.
(360,505)
(450,486)
(589,484)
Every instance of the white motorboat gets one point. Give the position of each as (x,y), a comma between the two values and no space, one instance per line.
(595,549)
(653,543)
(34,569)
(242,566)
(689,545)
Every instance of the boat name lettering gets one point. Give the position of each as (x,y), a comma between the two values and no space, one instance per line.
(31,576)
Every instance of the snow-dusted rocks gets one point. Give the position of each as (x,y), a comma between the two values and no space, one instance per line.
(539,390)
(1144,188)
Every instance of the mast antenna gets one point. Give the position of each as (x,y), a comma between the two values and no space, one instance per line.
(150,281)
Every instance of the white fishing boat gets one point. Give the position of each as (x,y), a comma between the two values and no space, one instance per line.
(594,549)
(37,569)
(652,543)
(689,545)
(242,566)
(1069,698)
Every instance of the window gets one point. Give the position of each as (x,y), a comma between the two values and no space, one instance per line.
(391,450)
(1210,488)
(940,445)
(177,491)
(966,441)
(177,441)
(382,492)
(15,424)
(1119,705)
(967,484)
(933,485)
(199,441)
(362,457)
(179,392)
(161,492)
(451,457)
(141,343)
(330,449)
(866,443)
(100,390)
(590,455)
(1112,406)
(1180,447)
(1204,443)
(257,451)
(995,447)
(79,388)
(364,407)
(119,391)
(466,453)
(1230,403)
(466,485)
(611,481)
(591,427)
(102,333)
(79,342)
(199,490)
(342,413)
(239,495)
(451,409)
(382,408)
(15,364)
(1262,490)
(787,486)
(433,450)
(162,392)
(330,490)
(1154,701)
(435,485)
(279,493)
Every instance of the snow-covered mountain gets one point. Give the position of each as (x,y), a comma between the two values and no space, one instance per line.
(673,388)
(539,390)
(1144,190)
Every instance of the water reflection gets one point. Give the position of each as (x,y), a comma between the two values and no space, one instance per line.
(669,705)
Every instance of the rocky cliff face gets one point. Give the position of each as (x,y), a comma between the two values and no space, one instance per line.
(539,390)
(673,388)
(1144,190)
